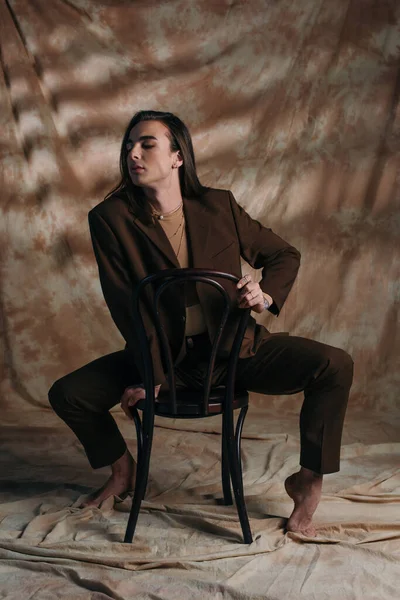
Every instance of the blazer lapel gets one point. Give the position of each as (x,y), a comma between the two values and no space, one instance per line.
(159,239)
(198,228)
(205,239)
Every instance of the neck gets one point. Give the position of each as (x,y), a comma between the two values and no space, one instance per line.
(164,200)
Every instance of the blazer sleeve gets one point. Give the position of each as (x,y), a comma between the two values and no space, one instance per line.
(265,250)
(117,286)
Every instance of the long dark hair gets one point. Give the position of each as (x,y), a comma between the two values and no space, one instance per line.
(180,140)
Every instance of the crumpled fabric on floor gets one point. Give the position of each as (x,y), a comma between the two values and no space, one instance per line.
(294,106)
(187,544)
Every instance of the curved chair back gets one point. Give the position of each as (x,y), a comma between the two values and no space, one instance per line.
(162,281)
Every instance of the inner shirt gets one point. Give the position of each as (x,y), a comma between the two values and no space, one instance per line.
(175,230)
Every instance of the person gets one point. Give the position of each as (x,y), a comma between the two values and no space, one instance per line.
(159,217)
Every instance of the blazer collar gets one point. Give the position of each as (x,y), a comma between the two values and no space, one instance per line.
(197,224)
(156,234)
(202,223)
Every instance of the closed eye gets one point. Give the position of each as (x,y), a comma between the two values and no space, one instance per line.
(146,146)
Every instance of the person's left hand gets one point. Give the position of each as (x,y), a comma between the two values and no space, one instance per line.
(132,395)
(250,295)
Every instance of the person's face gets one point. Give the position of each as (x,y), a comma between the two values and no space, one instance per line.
(150,160)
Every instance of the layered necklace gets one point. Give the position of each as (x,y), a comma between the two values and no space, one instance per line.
(182,227)
(170,217)
(161,216)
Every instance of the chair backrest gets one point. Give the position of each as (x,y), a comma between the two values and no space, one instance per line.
(161,281)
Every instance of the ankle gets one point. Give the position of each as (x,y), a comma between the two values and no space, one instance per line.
(123,465)
(306,475)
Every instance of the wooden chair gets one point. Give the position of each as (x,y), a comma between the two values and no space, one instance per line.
(187,403)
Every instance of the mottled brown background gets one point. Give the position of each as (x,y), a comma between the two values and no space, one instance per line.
(294,106)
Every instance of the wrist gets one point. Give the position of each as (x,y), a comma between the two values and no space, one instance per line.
(268,301)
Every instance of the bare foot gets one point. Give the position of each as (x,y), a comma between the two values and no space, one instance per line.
(305,489)
(122,481)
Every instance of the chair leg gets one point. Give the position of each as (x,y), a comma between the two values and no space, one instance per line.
(236,475)
(139,437)
(146,430)
(238,436)
(225,472)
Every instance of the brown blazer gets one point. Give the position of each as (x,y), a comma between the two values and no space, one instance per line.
(219,233)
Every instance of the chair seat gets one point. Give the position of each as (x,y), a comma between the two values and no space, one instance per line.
(189,402)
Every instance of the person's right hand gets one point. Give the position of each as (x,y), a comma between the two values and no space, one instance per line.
(132,395)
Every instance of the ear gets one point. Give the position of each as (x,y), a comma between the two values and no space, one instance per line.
(178,162)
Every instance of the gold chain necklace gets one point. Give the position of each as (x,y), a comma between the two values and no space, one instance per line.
(160,216)
(180,241)
(179,226)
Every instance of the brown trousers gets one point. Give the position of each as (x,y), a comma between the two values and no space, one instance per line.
(282,365)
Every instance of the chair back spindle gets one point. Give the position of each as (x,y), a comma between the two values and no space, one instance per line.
(164,280)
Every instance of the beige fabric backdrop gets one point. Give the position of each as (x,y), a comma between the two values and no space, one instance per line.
(294,107)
